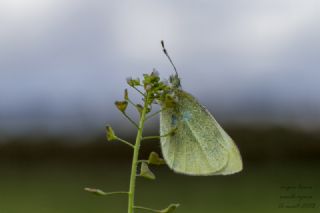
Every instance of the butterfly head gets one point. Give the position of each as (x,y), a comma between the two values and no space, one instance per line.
(175,81)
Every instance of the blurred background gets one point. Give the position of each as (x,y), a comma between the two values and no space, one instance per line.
(253,64)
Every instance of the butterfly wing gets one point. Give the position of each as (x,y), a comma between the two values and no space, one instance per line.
(199,145)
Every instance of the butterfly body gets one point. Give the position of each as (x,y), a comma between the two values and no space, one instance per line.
(199,145)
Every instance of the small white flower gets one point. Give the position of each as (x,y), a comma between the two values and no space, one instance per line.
(148,87)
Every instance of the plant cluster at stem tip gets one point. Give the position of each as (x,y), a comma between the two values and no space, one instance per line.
(153,91)
(160,92)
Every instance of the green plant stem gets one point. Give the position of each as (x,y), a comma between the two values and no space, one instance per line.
(114,193)
(139,91)
(154,114)
(135,157)
(127,116)
(133,104)
(125,142)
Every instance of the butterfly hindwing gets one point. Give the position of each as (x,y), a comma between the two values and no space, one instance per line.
(199,146)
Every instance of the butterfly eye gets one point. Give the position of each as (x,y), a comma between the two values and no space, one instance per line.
(175,81)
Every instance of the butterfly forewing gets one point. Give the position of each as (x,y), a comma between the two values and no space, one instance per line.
(199,146)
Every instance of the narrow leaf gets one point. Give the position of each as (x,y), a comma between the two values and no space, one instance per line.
(146,172)
(155,159)
(95,191)
(170,208)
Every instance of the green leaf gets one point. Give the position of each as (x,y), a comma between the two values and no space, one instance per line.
(95,191)
(121,105)
(146,172)
(155,159)
(102,193)
(170,208)
(110,134)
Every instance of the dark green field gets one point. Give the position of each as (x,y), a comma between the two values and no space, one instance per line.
(50,178)
(49,188)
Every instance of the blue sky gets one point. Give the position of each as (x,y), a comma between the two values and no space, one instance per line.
(63,63)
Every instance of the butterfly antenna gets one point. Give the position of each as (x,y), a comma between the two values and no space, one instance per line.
(166,53)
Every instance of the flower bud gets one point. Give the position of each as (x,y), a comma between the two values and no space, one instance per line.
(126,95)
(110,134)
